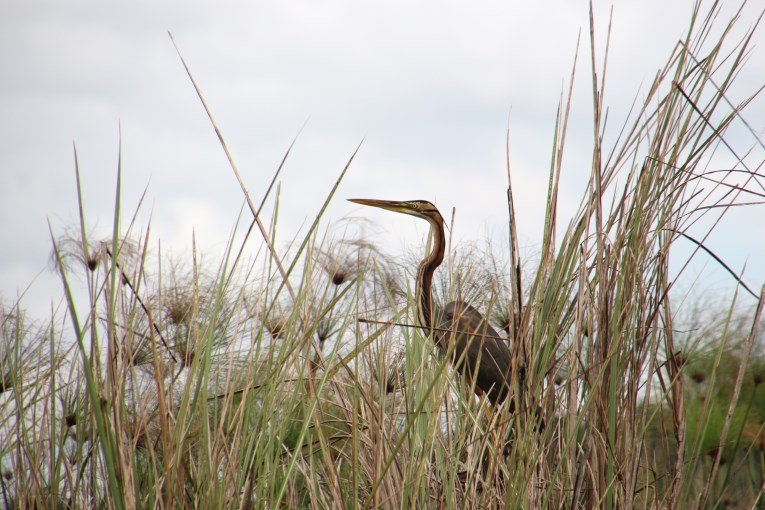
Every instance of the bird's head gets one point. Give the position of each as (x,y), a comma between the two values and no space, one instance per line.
(420,208)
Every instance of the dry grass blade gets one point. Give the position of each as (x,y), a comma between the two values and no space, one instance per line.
(253,210)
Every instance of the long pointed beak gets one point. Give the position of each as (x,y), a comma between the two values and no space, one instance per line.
(390,205)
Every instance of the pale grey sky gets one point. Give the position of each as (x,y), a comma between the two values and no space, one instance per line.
(428,83)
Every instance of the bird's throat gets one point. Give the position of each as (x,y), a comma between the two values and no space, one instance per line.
(423,291)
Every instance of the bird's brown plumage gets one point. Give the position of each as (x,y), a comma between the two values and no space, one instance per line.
(479,353)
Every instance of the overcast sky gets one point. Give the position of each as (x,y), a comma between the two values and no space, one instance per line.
(428,84)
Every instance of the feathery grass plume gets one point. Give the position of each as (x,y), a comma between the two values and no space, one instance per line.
(502,316)
(73,405)
(24,355)
(325,328)
(76,254)
(338,266)
(277,325)
(362,262)
(183,303)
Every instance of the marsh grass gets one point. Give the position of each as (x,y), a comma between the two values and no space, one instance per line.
(293,379)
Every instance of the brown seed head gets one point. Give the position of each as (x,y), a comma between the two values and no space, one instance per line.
(698,376)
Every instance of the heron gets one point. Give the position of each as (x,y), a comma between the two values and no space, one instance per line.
(477,350)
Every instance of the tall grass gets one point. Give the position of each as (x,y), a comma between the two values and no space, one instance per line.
(293,378)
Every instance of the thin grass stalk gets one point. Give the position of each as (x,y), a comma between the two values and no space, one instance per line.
(734,398)
(224,146)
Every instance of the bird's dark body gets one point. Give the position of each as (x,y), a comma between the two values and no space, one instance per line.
(479,353)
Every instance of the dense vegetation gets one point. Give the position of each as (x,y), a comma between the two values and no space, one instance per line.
(294,379)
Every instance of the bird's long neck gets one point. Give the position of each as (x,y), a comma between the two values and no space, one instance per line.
(425,275)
